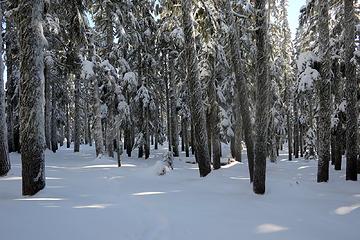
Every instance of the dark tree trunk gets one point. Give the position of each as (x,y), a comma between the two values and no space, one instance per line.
(351,93)
(98,134)
(241,87)
(186,137)
(54,140)
(192,139)
(47,105)
(261,119)
(67,128)
(10,64)
(147,133)
(296,129)
(214,120)
(4,152)
(174,132)
(324,91)
(195,89)
(32,89)
(237,139)
(77,123)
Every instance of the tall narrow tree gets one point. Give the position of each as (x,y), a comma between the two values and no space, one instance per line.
(261,119)
(32,134)
(4,153)
(351,93)
(195,89)
(241,87)
(324,93)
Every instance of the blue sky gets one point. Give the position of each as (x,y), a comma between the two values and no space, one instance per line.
(293,12)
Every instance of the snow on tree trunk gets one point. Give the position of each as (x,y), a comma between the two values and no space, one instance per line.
(98,134)
(241,87)
(351,93)
(195,90)
(32,132)
(214,121)
(262,91)
(324,93)
(4,153)
(173,113)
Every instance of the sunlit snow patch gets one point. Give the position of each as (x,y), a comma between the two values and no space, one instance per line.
(94,206)
(270,228)
(40,199)
(346,209)
(147,193)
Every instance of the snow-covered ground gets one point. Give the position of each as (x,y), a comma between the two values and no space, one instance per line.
(87,198)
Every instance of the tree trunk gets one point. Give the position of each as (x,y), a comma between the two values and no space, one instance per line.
(47,104)
(351,93)
(296,129)
(10,64)
(174,132)
(147,132)
(186,137)
(195,89)
(237,145)
(67,128)
(77,123)
(4,152)
(241,87)
(214,121)
(110,136)
(261,119)
(324,91)
(89,126)
(32,125)
(54,135)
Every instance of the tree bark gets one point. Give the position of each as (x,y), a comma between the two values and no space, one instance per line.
(32,97)
(54,135)
(195,89)
(98,135)
(174,132)
(324,92)
(241,87)
(77,123)
(214,120)
(351,93)
(47,104)
(4,151)
(261,119)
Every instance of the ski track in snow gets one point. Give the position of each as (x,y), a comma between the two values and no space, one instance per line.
(88,198)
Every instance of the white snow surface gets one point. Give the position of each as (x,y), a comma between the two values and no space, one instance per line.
(88,198)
